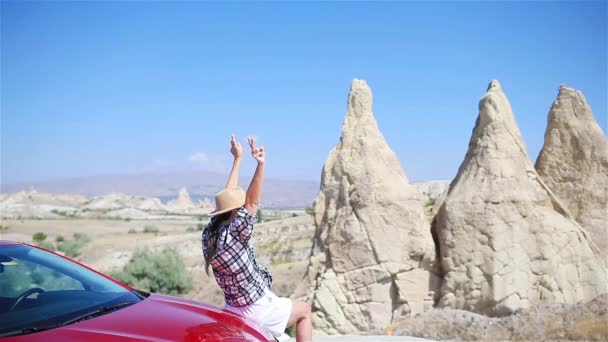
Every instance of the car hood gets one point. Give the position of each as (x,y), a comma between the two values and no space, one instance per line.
(157,318)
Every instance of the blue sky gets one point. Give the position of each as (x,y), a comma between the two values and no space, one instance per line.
(92,88)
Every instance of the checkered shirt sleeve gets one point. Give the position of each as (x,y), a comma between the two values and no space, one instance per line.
(234,266)
(242,225)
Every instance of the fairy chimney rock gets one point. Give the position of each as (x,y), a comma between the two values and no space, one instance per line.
(206,203)
(505,240)
(373,249)
(574,163)
(182,201)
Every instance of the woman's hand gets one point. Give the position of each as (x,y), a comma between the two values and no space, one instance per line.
(235,148)
(252,198)
(237,151)
(256,152)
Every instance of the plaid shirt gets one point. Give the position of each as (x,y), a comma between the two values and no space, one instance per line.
(234,266)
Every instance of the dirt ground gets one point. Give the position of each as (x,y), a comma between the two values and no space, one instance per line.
(22,230)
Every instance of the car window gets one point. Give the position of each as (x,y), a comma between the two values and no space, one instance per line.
(20,275)
(40,290)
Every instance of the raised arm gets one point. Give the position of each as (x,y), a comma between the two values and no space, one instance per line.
(237,151)
(255,188)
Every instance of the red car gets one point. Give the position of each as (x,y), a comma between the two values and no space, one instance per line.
(47,297)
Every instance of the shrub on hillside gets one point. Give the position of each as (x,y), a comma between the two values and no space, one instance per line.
(149,228)
(46,245)
(164,272)
(70,248)
(73,247)
(82,238)
(39,237)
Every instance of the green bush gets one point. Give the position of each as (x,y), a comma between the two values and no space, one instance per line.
(164,272)
(200,227)
(190,229)
(46,245)
(64,213)
(39,237)
(310,211)
(82,238)
(58,212)
(149,228)
(59,238)
(132,231)
(4,227)
(260,216)
(72,248)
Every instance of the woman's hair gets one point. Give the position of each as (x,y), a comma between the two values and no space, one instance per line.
(212,235)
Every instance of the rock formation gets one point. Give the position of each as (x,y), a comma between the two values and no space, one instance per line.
(373,248)
(505,240)
(574,163)
(33,204)
(205,203)
(182,201)
(548,322)
(118,201)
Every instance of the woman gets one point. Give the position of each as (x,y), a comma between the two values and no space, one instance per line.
(227,248)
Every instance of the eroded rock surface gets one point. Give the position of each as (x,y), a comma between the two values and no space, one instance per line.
(553,322)
(505,240)
(373,248)
(574,163)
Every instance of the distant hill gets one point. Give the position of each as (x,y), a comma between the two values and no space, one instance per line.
(277,193)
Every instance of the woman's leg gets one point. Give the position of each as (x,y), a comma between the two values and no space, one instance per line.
(302,317)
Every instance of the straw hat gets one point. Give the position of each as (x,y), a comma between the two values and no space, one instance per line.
(228,199)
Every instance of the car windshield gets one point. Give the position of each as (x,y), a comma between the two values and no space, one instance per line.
(40,290)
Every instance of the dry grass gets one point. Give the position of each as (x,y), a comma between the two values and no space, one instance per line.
(589,329)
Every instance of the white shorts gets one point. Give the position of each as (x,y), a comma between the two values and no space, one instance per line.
(270,311)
